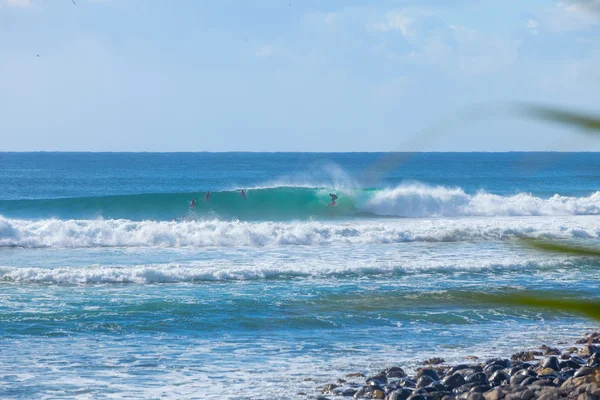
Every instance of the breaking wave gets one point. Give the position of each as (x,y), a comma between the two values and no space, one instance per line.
(127,233)
(285,203)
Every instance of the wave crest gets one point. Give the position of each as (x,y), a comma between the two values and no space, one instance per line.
(126,233)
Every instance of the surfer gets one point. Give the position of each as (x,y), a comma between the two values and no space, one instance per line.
(243,194)
(207,196)
(333,199)
(192,204)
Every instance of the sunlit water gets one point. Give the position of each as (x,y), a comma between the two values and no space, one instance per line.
(111,297)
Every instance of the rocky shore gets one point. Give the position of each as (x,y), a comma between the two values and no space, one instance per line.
(546,374)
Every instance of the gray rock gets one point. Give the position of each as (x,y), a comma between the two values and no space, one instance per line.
(407,383)
(424,380)
(541,383)
(527,394)
(594,360)
(568,364)
(480,388)
(578,360)
(529,380)
(498,377)
(475,396)
(588,350)
(457,368)
(586,396)
(479,378)
(417,397)
(428,372)
(568,372)
(453,381)
(494,394)
(583,371)
(551,362)
(395,372)
(377,380)
(546,396)
(348,392)
(399,394)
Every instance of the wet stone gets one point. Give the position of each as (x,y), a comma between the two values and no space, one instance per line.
(569,364)
(424,380)
(498,377)
(552,363)
(475,396)
(457,368)
(434,361)
(583,371)
(527,394)
(453,381)
(477,377)
(395,372)
(594,360)
(377,380)
(494,394)
(428,372)
(529,380)
(407,383)
(588,350)
(399,394)
(480,388)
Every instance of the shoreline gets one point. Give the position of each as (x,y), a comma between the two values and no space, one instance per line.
(546,373)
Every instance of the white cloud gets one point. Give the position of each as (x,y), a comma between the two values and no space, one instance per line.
(574,15)
(395,21)
(17,3)
(265,51)
(533,25)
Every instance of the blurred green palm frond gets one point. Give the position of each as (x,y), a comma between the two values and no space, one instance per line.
(588,308)
(561,248)
(551,114)
(543,300)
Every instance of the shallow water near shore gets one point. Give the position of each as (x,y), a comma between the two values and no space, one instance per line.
(108,292)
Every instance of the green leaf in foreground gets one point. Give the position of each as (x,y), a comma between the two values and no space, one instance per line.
(589,308)
(560,248)
(584,121)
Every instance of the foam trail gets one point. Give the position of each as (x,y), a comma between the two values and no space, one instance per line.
(126,233)
(268,269)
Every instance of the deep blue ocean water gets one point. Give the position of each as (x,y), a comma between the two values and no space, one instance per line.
(112,287)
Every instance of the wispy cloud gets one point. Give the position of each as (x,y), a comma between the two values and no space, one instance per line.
(395,21)
(16,3)
(264,51)
(574,15)
(533,25)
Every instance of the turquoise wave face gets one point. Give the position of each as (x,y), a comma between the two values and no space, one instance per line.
(281,203)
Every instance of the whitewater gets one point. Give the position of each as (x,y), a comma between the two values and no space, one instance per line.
(113,287)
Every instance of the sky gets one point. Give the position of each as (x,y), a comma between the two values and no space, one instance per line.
(309,75)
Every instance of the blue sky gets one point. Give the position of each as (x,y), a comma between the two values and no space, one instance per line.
(149,75)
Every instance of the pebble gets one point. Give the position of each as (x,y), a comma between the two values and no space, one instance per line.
(568,377)
(494,394)
(583,371)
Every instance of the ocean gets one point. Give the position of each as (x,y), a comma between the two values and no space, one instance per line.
(112,287)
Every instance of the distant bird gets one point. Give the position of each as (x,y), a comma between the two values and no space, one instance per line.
(38,56)
(74,2)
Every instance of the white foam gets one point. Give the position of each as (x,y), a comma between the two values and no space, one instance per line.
(417,200)
(274,268)
(126,233)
